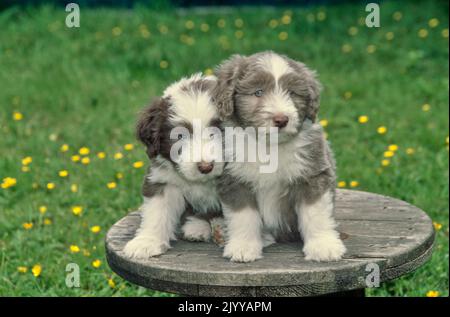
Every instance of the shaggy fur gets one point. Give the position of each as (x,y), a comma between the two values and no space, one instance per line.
(298,199)
(176,189)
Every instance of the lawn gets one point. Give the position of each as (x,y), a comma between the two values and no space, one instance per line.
(69,100)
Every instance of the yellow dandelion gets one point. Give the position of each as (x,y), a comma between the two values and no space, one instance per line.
(101,155)
(381,130)
(53,137)
(321,16)
(221,23)
(84,151)
(426,107)
(273,23)
(163,64)
(348,95)
(444,33)
(63,173)
(64,148)
(239,23)
(323,123)
(118,156)
(393,147)
(47,221)
(25,169)
(388,154)
(74,248)
(42,209)
(342,184)
(286,19)
(282,36)
(96,263)
(17,116)
(119,175)
(116,31)
(36,270)
(189,24)
(77,210)
(35,185)
(74,188)
(138,164)
(385,162)
(27,160)
(433,23)
(353,30)
(111,283)
(22,269)
(371,49)
(27,225)
(51,186)
(433,294)
(363,119)
(397,16)
(86,252)
(389,36)
(204,27)
(437,226)
(111,185)
(354,184)
(95,229)
(410,151)
(346,48)
(128,147)
(85,160)
(145,33)
(8,182)
(423,33)
(75,158)
(208,72)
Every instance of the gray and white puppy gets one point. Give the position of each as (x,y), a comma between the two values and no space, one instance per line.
(271,90)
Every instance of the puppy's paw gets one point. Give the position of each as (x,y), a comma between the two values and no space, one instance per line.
(196,229)
(327,247)
(243,251)
(142,247)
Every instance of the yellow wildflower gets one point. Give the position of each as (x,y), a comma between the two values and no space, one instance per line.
(239,23)
(437,226)
(273,23)
(353,30)
(423,33)
(286,19)
(75,158)
(389,36)
(239,34)
(116,31)
(84,151)
(25,169)
(397,16)
(128,147)
(354,184)
(63,173)
(221,23)
(388,154)
(426,107)
(283,36)
(371,48)
(433,294)
(74,248)
(47,221)
(85,160)
(163,64)
(36,270)
(189,24)
(204,27)
(393,147)
(342,184)
(138,164)
(74,188)
(17,116)
(101,155)
(22,269)
(42,209)
(385,162)
(96,263)
(77,210)
(346,48)
(118,156)
(363,119)
(433,23)
(111,185)
(119,175)
(8,182)
(27,225)
(348,95)
(95,229)
(111,283)
(444,33)
(51,186)
(27,160)
(410,151)
(323,123)
(64,148)
(321,16)
(382,130)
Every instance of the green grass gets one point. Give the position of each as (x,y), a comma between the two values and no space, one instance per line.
(84,87)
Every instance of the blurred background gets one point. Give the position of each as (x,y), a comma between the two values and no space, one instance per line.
(70,166)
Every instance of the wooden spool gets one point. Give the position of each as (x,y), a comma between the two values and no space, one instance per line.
(378,231)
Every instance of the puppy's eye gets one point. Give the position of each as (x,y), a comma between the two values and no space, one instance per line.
(259,93)
(181,137)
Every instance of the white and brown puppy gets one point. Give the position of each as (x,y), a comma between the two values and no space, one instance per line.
(270,90)
(178,185)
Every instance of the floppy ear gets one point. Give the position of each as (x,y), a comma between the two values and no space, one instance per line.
(227,75)
(148,128)
(312,89)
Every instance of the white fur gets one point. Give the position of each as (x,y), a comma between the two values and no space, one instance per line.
(275,64)
(317,226)
(245,241)
(160,215)
(196,229)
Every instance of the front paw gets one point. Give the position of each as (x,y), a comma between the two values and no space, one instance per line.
(326,247)
(144,247)
(243,251)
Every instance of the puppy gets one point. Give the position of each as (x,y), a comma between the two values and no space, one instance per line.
(271,90)
(176,183)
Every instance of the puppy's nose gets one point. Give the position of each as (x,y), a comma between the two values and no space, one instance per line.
(205,167)
(280,120)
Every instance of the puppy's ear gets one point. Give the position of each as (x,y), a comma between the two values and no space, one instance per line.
(312,89)
(227,75)
(148,128)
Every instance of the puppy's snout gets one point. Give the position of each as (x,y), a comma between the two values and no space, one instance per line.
(205,167)
(280,120)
